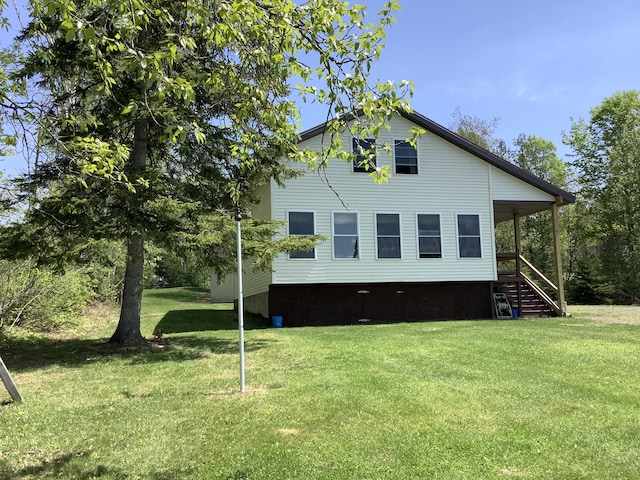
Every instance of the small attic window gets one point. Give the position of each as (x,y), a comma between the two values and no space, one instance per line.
(406,157)
(360,148)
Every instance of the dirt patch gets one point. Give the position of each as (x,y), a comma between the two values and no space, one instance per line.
(509,470)
(626,314)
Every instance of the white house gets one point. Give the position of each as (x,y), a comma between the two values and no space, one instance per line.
(417,248)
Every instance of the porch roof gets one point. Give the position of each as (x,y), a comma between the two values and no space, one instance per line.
(504,210)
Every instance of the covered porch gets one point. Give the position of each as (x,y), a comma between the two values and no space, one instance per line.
(528,289)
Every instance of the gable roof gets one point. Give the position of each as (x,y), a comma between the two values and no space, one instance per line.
(429,125)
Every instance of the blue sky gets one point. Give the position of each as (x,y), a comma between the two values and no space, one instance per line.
(533,64)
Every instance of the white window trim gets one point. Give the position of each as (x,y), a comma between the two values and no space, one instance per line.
(418,237)
(333,235)
(375,225)
(481,257)
(395,171)
(315,232)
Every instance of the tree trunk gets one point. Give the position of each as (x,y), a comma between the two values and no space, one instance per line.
(128,330)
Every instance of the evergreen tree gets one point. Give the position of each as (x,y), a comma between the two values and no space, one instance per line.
(161,114)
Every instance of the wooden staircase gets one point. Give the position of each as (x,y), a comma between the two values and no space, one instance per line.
(533,305)
(536,301)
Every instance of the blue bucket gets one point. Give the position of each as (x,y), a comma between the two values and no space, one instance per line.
(514,312)
(276,321)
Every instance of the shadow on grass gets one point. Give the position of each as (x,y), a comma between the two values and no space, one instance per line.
(78,465)
(180,321)
(197,346)
(22,354)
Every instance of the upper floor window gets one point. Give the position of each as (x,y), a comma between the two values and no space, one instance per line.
(388,235)
(364,163)
(469,236)
(302,224)
(345,235)
(406,157)
(429,238)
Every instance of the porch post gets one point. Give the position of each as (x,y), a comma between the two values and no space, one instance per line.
(517,237)
(558,258)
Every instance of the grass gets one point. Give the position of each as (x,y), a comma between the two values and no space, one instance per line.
(525,399)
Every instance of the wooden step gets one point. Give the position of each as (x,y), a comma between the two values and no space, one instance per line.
(531,303)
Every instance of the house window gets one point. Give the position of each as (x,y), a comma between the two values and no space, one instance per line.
(469,236)
(388,235)
(429,239)
(360,148)
(303,225)
(345,235)
(406,157)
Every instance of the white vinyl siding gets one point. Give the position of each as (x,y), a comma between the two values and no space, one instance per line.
(450,181)
(258,282)
(507,187)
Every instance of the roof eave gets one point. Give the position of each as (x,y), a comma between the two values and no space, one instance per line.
(496,161)
(563,196)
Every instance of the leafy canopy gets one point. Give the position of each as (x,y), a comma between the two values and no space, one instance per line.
(159,115)
(194,67)
(209,84)
(606,155)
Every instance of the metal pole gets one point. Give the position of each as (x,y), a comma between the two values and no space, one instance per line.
(518,243)
(9,383)
(557,247)
(240,301)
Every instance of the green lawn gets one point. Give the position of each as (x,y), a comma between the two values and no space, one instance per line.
(536,399)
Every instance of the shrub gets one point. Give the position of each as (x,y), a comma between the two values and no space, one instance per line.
(40,297)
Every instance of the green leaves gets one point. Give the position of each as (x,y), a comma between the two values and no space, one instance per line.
(607,159)
(208,51)
(100,158)
(158,114)
(12,91)
(214,240)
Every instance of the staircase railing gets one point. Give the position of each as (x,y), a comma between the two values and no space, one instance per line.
(519,275)
(542,294)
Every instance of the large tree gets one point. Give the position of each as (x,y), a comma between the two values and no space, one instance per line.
(161,113)
(606,152)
